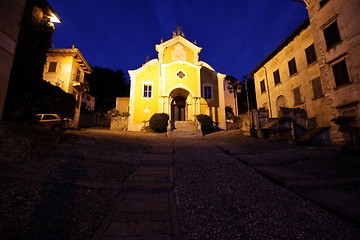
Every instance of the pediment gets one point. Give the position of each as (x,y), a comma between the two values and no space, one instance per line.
(178,40)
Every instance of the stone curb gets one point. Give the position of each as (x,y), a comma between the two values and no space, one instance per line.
(107,220)
(334,200)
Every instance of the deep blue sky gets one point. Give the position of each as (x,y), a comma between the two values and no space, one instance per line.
(235,35)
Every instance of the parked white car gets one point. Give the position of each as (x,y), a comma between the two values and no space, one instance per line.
(52,121)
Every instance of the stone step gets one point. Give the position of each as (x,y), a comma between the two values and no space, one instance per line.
(185,129)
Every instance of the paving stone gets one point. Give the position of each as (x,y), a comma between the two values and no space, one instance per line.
(160,215)
(157,205)
(153,227)
(120,216)
(155,237)
(121,229)
(138,216)
(135,205)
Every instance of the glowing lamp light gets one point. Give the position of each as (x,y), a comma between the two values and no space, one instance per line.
(54,19)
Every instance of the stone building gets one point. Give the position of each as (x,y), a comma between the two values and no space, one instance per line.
(335,27)
(317,69)
(178,84)
(65,68)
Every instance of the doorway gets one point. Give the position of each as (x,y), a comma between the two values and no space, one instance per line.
(178,105)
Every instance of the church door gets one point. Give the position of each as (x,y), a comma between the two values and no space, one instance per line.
(178,108)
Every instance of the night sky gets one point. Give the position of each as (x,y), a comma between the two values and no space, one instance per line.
(235,35)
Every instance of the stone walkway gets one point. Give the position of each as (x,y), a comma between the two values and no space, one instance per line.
(197,189)
(146,209)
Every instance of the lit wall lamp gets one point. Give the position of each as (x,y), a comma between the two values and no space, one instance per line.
(54,18)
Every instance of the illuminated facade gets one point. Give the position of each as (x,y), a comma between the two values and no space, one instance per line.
(178,84)
(65,68)
(317,69)
(335,26)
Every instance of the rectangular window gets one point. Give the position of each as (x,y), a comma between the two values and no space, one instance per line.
(297,96)
(276,77)
(77,78)
(147,91)
(310,54)
(340,73)
(207,93)
(262,86)
(332,35)
(52,67)
(317,88)
(292,67)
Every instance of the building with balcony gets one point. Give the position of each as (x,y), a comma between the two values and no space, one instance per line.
(66,68)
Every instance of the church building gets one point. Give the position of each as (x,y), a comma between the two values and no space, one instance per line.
(178,84)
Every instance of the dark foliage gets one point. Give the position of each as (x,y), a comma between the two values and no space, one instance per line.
(159,122)
(106,85)
(248,87)
(206,122)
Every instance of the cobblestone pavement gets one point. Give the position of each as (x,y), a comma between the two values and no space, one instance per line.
(218,197)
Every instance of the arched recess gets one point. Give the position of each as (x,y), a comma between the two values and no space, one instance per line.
(179,106)
(280,102)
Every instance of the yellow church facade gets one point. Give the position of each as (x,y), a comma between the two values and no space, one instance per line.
(178,84)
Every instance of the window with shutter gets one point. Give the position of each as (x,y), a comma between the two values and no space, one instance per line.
(297,96)
(317,88)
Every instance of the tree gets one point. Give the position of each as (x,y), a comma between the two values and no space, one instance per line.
(106,85)
(249,86)
(235,88)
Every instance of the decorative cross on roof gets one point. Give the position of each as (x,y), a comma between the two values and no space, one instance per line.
(178,32)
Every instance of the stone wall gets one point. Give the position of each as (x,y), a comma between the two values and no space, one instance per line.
(119,124)
(23,143)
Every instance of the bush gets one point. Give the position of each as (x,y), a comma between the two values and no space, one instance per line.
(117,113)
(158,122)
(206,122)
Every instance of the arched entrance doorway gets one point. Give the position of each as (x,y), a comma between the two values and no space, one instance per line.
(179,105)
(178,108)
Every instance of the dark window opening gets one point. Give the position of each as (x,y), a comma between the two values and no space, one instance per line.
(262,86)
(340,73)
(292,67)
(323,2)
(207,93)
(332,35)
(52,66)
(276,77)
(147,91)
(310,54)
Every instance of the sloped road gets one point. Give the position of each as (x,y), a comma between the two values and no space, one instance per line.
(218,197)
